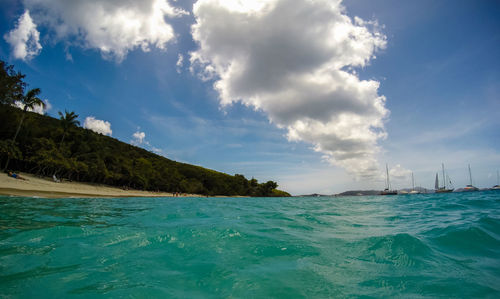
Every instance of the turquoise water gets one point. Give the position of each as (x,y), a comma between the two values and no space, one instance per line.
(415,246)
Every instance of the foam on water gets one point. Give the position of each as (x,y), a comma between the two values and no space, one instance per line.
(428,245)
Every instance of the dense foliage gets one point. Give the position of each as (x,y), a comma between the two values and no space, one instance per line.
(47,146)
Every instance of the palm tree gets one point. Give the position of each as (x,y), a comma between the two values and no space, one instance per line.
(29,100)
(68,120)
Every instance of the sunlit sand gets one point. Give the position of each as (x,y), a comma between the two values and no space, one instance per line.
(46,187)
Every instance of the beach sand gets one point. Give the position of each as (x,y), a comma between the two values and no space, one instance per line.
(46,187)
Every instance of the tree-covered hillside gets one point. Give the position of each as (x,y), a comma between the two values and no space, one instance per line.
(43,145)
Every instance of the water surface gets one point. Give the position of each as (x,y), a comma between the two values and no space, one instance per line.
(426,245)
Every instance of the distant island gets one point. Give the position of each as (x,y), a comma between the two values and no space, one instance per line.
(359,193)
(366,192)
(46,146)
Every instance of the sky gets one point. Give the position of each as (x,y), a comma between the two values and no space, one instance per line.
(317,95)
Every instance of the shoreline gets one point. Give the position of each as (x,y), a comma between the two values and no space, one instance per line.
(47,188)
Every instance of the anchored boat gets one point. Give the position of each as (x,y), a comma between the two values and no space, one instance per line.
(413,191)
(387,190)
(497,186)
(470,187)
(442,189)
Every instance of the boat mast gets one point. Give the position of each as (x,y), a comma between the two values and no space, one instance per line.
(444,178)
(412,182)
(470,176)
(387,176)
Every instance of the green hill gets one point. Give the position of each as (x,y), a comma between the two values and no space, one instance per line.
(47,146)
(91,157)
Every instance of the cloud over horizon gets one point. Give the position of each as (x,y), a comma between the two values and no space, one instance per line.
(97,125)
(112,27)
(296,61)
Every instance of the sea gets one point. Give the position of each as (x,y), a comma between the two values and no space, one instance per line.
(404,246)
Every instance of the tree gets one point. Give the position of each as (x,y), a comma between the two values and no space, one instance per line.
(29,101)
(68,120)
(9,150)
(11,84)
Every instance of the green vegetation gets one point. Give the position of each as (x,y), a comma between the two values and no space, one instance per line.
(43,145)
(11,84)
(29,101)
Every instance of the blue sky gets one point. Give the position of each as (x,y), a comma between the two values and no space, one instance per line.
(274,89)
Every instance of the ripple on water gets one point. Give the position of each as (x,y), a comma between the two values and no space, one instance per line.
(401,250)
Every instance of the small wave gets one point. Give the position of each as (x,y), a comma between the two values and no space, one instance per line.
(312,219)
(393,218)
(400,250)
(478,203)
(37,272)
(469,240)
(453,207)
(132,239)
(490,224)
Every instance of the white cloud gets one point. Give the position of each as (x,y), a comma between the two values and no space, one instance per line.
(24,38)
(296,60)
(138,138)
(113,27)
(37,108)
(156,150)
(97,125)
(400,173)
(179,64)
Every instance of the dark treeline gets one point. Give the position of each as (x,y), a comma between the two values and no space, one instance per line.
(45,146)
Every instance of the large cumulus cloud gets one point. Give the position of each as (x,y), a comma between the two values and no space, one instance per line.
(296,60)
(114,27)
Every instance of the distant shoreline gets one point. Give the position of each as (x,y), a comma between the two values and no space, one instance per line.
(46,187)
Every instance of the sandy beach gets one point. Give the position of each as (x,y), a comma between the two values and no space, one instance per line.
(46,187)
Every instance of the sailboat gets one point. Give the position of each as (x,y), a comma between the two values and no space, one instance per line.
(497,186)
(470,187)
(387,190)
(436,184)
(413,191)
